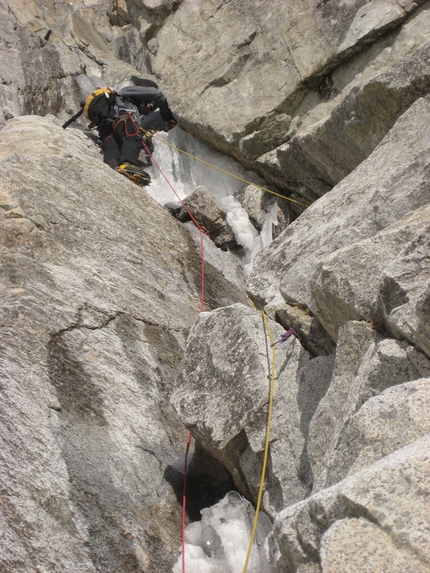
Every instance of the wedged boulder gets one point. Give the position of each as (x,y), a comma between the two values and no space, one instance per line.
(366,364)
(376,520)
(212,216)
(384,190)
(100,287)
(222,396)
(384,424)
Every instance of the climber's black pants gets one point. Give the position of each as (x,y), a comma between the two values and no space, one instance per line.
(121,141)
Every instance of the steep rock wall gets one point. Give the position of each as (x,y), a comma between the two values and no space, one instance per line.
(325,99)
(100,288)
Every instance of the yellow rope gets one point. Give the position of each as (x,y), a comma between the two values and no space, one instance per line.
(266,448)
(223,171)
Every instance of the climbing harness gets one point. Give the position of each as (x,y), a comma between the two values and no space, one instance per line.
(227,172)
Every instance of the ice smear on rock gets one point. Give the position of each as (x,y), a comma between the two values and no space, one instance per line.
(219,542)
(244,232)
(185,174)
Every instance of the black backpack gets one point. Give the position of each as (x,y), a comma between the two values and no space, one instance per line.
(98,104)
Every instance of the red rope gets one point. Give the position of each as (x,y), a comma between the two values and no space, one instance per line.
(201,228)
(202,232)
(184,503)
(202,250)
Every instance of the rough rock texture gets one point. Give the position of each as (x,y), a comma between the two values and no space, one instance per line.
(338,124)
(385,423)
(266,56)
(375,520)
(381,206)
(100,288)
(302,117)
(329,101)
(366,364)
(222,396)
(265,77)
(204,208)
(54,54)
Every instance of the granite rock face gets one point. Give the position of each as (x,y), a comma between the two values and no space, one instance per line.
(375,219)
(305,116)
(100,287)
(107,363)
(375,520)
(366,364)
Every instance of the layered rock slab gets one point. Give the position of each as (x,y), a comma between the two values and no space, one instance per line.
(258,63)
(376,203)
(341,121)
(366,364)
(100,288)
(385,423)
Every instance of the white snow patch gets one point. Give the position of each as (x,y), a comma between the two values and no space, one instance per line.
(219,542)
(184,174)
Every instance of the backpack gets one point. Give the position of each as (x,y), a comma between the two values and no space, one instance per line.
(98,104)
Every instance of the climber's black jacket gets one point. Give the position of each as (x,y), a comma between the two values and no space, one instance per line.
(119,131)
(143,97)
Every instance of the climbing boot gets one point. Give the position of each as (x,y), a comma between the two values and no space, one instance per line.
(135,174)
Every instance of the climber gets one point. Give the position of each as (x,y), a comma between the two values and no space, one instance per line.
(284,337)
(123,125)
(120,130)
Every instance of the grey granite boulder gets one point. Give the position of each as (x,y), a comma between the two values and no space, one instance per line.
(366,364)
(208,213)
(222,397)
(376,520)
(393,419)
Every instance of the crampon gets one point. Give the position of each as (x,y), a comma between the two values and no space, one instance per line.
(135,174)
